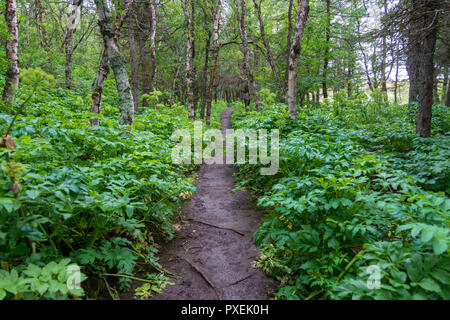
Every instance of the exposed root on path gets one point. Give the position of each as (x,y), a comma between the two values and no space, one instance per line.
(216,290)
(217,227)
(243,279)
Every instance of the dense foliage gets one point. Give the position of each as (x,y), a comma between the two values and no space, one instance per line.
(357,192)
(89,196)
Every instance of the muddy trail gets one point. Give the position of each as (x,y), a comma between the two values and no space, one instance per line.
(213,254)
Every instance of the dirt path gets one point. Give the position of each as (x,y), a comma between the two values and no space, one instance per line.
(212,256)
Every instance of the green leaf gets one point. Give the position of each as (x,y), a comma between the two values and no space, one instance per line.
(430,285)
(10,204)
(439,246)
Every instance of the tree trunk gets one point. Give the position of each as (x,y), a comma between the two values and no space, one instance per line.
(97,92)
(215,61)
(40,21)
(413,60)
(384,53)
(12,74)
(143,21)
(177,73)
(189,61)
(327,51)
(134,63)
(205,76)
(288,52)
(361,48)
(194,68)
(117,63)
(153,45)
(266,43)
(426,74)
(294,55)
(447,101)
(413,66)
(68,40)
(396,75)
(349,82)
(247,70)
(435,86)
(445,87)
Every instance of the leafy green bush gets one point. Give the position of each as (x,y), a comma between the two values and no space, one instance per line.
(71,191)
(353,193)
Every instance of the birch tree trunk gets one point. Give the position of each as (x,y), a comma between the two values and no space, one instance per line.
(247,70)
(289,43)
(215,60)
(153,45)
(134,62)
(12,74)
(294,55)
(117,64)
(189,61)
(68,40)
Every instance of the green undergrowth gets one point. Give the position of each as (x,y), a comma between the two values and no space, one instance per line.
(358,198)
(72,195)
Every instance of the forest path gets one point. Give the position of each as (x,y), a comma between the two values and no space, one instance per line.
(212,256)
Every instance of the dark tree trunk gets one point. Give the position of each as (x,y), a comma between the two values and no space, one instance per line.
(300,23)
(205,76)
(435,86)
(350,82)
(413,66)
(396,76)
(447,101)
(384,53)
(327,51)
(97,92)
(426,75)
